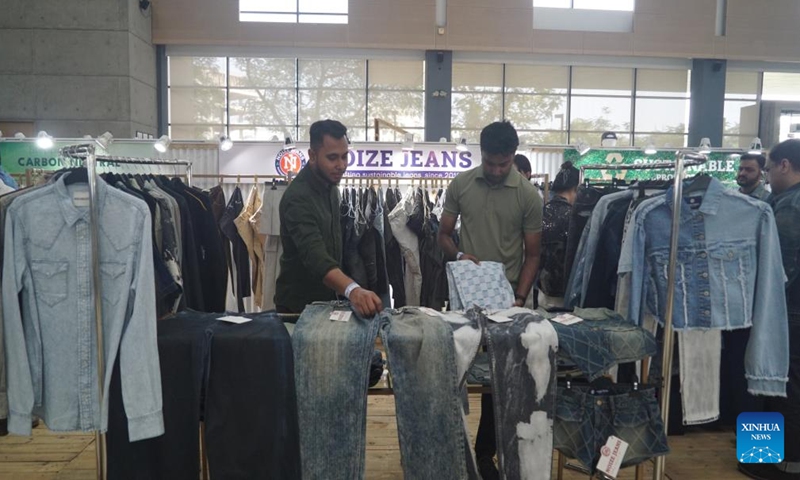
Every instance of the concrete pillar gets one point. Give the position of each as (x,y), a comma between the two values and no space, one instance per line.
(78,68)
(438,78)
(707,101)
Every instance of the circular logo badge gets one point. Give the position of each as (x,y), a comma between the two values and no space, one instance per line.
(605,451)
(289,161)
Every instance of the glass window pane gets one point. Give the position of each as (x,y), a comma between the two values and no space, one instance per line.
(336,19)
(741,85)
(355,134)
(734,141)
(741,118)
(196,105)
(662,83)
(332,73)
(197,71)
(323,6)
(268,17)
(553,3)
(537,112)
(476,110)
(620,5)
(541,138)
(397,75)
(404,109)
(262,72)
(602,81)
(601,114)
(346,106)
(196,132)
(781,86)
(661,115)
(660,140)
(388,135)
(477,77)
(261,132)
(263,106)
(472,135)
(536,79)
(272,6)
(594,138)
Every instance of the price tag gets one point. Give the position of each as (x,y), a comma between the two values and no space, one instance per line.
(567,319)
(341,316)
(80,198)
(611,456)
(497,318)
(234,319)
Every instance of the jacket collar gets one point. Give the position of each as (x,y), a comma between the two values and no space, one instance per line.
(774,199)
(70,212)
(711,199)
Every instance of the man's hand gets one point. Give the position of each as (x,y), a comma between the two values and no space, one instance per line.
(471,258)
(365,302)
(519,302)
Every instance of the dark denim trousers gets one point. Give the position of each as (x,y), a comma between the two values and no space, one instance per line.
(522,356)
(332,362)
(426,386)
(587,417)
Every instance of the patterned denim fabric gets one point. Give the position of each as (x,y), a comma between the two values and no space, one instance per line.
(585,418)
(332,361)
(522,354)
(423,363)
(483,285)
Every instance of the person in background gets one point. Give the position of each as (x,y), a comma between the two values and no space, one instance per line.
(523,165)
(751,178)
(783,172)
(501,221)
(311,230)
(555,232)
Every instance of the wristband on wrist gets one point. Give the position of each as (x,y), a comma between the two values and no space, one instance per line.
(350,288)
(459,255)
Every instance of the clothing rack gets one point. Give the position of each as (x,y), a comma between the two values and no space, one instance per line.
(87,154)
(256,177)
(682,160)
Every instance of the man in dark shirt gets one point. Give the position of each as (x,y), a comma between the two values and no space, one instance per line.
(783,172)
(750,178)
(523,165)
(311,230)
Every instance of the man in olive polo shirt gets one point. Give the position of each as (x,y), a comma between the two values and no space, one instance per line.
(311,230)
(501,221)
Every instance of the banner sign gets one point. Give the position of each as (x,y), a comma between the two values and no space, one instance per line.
(723,166)
(16,157)
(365,160)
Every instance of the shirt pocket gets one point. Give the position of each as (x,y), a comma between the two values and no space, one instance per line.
(684,271)
(112,276)
(50,281)
(731,268)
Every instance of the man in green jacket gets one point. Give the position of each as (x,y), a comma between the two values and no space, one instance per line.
(311,230)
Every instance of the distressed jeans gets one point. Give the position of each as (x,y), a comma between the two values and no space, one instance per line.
(332,362)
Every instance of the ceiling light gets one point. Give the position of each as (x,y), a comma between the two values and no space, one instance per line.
(19,135)
(705,146)
(408,143)
(443,140)
(462,145)
(105,140)
(756,148)
(163,143)
(582,148)
(44,141)
(225,143)
(288,144)
(650,149)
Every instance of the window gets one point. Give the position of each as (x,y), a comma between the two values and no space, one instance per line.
(741,108)
(781,86)
(536,102)
(293,11)
(267,98)
(614,5)
(661,108)
(477,98)
(601,101)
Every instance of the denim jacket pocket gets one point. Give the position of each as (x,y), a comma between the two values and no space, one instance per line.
(569,408)
(50,281)
(731,266)
(110,273)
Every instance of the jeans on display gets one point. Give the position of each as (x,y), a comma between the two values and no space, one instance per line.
(182,349)
(332,361)
(522,356)
(430,426)
(587,417)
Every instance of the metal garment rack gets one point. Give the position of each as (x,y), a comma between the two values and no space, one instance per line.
(682,160)
(87,154)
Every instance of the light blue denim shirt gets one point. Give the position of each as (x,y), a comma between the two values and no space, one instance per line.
(729,275)
(49,312)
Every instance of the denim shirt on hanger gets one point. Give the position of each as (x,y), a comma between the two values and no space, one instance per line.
(729,275)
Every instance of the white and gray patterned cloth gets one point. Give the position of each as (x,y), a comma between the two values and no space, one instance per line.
(483,285)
